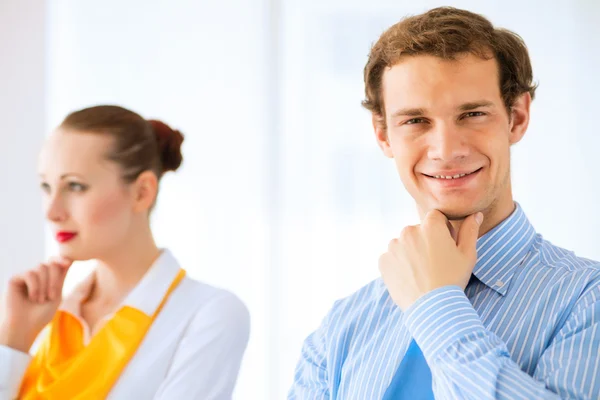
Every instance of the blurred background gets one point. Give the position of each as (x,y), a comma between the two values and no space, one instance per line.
(284,197)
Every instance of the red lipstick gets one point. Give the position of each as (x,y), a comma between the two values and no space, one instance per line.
(63,237)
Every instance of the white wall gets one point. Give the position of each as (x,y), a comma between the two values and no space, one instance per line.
(22,116)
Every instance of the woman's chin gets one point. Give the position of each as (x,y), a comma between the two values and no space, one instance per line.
(73,254)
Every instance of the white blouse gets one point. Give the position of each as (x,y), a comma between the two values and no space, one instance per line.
(193,350)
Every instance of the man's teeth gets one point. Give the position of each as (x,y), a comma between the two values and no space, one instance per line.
(449,177)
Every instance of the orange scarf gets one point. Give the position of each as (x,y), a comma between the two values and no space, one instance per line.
(64,368)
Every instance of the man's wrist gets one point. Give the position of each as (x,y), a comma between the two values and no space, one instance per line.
(440,318)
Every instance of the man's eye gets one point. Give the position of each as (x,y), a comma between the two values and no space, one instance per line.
(474,114)
(414,121)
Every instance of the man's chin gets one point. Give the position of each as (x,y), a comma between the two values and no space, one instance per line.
(457,213)
(455,217)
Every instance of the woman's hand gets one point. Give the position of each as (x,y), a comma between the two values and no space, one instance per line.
(30,302)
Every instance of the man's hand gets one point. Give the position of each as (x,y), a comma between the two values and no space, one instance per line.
(426,257)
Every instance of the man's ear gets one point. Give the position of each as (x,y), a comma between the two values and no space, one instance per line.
(519,118)
(380,129)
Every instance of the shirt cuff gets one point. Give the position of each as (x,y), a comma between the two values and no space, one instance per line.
(13,365)
(441,318)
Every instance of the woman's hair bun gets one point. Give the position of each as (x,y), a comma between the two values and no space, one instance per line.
(169,145)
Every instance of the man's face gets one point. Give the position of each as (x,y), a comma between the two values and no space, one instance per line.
(449,132)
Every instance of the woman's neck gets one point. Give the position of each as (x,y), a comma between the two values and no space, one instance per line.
(119,272)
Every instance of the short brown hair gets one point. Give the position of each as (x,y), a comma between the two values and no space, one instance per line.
(446,32)
(139,144)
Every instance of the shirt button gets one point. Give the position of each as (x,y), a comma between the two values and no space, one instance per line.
(499,284)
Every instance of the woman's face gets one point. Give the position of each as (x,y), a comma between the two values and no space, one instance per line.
(89,207)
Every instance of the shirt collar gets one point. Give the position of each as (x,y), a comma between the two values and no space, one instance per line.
(145,296)
(150,291)
(501,250)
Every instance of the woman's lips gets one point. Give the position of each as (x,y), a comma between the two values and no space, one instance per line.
(63,237)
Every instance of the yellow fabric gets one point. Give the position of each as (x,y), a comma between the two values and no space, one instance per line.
(64,368)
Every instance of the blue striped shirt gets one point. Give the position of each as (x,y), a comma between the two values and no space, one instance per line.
(526,327)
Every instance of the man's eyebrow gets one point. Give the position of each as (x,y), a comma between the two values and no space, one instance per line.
(475,104)
(409,112)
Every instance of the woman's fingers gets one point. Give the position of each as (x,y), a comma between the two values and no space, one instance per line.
(43,278)
(57,274)
(45,282)
(32,283)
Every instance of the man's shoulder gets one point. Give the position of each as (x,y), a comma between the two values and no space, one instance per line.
(554,256)
(572,273)
(367,298)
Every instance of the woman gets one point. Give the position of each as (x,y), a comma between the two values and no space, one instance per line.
(137,327)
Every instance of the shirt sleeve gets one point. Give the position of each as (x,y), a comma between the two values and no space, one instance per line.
(13,365)
(469,362)
(207,361)
(311,376)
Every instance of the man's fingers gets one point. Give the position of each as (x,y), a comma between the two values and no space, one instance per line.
(437,224)
(469,232)
(453,232)
(434,217)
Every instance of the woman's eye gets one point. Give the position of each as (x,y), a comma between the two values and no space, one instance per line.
(77,187)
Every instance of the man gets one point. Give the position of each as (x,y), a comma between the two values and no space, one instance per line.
(472,303)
